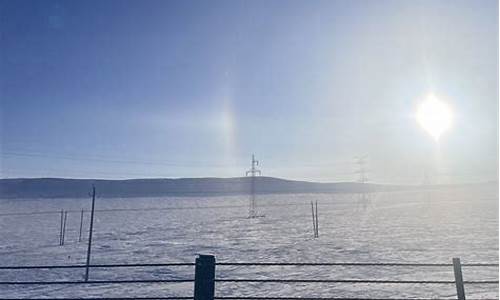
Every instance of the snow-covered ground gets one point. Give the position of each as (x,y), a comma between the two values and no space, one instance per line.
(430,227)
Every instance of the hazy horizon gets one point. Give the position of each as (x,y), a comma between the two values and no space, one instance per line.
(235,177)
(127,89)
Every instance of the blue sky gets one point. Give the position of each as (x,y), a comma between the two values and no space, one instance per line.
(133,89)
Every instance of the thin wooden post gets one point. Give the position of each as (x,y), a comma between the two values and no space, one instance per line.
(61,228)
(64,226)
(317,222)
(313,219)
(81,226)
(459,281)
(204,278)
(90,235)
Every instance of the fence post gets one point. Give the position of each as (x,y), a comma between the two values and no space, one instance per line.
(61,228)
(459,281)
(87,265)
(317,222)
(204,277)
(314,220)
(81,226)
(64,226)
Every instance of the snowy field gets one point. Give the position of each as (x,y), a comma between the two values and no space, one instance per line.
(422,227)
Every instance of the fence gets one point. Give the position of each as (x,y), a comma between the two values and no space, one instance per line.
(205,278)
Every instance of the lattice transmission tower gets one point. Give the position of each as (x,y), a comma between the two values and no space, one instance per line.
(252,207)
(363,178)
(361,162)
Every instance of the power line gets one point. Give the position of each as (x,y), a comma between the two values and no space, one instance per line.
(120,161)
(82,174)
(195,164)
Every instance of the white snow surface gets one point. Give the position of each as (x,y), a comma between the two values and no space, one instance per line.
(417,227)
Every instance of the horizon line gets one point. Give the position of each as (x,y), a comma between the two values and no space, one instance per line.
(236,177)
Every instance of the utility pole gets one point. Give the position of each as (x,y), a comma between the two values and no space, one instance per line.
(90,235)
(61,229)
(81,226)
(64,226)
(252,212)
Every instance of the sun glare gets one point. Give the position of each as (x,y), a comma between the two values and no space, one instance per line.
(434,116)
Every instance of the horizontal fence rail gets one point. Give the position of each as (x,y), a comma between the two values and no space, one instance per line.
(355,264)
(250,298)
(205,278)
(244,280)
(335,298)
(242,264)
(356,281)
(253,298)
(94,266)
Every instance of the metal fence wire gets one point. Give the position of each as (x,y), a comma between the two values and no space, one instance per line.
(205,278)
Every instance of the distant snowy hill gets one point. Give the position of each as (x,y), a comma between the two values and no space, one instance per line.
(76,188)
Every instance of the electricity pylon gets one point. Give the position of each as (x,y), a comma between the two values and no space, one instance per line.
(361,162)
(363,179)
(252,210)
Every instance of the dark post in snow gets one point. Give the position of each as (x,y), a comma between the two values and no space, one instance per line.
(459,281)
(81,226)
(314,220)
(204,277)
(61,228)
(317,222)
(64,226)
(90,235)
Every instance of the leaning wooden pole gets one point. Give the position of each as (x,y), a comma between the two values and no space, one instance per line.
(459,281)
(313,219)
(317,222)
(90,235)
(81,227)
(61,228)
(64,226)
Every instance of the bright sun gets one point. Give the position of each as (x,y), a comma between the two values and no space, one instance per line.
(434,116)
